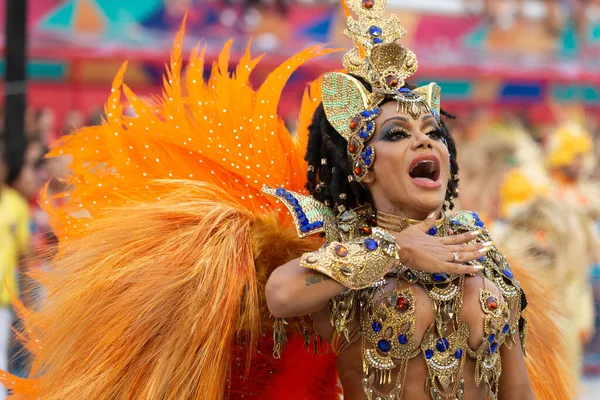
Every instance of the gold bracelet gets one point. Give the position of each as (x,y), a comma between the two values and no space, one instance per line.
(357,263)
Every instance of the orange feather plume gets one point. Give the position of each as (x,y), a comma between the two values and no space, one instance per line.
(155,280)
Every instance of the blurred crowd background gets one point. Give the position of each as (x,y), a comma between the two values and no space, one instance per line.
(521,77)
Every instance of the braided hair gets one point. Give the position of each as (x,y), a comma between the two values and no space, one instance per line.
(330,170)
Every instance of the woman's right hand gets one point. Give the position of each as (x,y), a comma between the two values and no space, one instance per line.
(423,252)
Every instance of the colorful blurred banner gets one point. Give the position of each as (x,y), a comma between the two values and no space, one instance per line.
(84,41)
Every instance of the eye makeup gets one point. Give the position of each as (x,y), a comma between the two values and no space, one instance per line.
(394,133)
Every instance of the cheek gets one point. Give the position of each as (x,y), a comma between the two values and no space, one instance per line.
(389,161)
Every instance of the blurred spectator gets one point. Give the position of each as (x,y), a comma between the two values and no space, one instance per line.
(14,245)
(46,122)
(74,120)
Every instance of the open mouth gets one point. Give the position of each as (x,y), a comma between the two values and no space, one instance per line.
(425,168)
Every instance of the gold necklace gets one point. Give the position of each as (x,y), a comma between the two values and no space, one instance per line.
(395,223)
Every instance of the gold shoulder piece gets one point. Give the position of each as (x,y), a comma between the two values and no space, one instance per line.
(310,215)
(357,263)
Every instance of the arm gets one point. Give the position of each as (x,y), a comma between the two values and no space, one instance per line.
(296,291)
(514,381)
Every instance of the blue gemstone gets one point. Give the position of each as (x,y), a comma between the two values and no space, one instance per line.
(318,224)
(369,151)
(366,114)
(311,227)
(377,326)
(298,209)
(492,338)
(363,134)
(377,40)
(404,90)
(303,220)
(505,329)
(442,345)
(435,113)
(440,277)
(493,348)
(295,202)
(384,345)
(289,197)
(370,126)
(304,229)
(363,155)
(428,353)
(481,259)
(432,231)
(480,224)
(371,244)
(375,31)
(402,339)
(280,192)
(475,215)
(368,161)
(508,273)
(376,110)
(458,354)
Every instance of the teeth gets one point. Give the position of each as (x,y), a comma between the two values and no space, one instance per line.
(430,165)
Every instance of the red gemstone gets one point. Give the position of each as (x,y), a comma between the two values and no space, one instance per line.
(357,170)
(492,303)
(341,251)
(368,4)
(365,230)
(392,80)
(352,146)
(354,123)
(402,304)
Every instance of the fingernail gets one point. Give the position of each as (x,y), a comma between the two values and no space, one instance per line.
(431,215)
(478,267)
(484,250)
(475,233)
(488,244)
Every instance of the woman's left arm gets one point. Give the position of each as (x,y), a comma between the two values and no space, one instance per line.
(514,380)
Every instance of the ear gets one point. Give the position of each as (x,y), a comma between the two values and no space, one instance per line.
(369,177)
(344,97)
(432,94)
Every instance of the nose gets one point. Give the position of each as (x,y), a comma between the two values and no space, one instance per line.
(421,141)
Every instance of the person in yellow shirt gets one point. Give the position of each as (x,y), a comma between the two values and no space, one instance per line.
(14,241)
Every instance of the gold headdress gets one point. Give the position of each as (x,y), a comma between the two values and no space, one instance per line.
(384,64)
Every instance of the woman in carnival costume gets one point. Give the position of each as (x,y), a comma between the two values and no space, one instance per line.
(179,216)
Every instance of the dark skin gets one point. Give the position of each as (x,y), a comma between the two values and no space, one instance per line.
(294,291)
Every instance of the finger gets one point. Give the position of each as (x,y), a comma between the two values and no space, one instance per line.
(460,239)
(427,223)
(461,269)
(467,247)
(472,256)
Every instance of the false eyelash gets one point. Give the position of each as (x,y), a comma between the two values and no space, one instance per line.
(395,130)
(436,134)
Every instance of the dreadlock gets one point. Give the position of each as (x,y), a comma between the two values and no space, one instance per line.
(330,170)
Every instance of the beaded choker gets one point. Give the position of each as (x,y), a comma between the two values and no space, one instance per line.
(395,223)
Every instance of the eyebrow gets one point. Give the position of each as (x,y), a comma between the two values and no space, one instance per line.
(395,118)
(427,117)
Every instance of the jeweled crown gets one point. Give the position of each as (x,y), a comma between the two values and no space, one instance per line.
(378,58)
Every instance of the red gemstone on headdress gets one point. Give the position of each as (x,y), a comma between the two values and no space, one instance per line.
(392,80)
(368,4)
(365,230)
(402,304)
(357,170)
(341,251)
(352,146)
(354,123)
(492,303)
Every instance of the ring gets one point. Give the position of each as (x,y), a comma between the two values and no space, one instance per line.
(456,256)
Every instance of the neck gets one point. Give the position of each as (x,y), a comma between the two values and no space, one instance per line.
(398,223)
